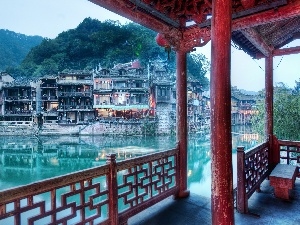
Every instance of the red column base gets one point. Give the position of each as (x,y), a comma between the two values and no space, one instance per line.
(182,194)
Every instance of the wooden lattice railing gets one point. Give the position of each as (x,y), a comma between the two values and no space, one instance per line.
(289,153)
(252,169)
(108,194)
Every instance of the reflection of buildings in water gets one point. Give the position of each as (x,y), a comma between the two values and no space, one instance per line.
(246,140)
(55,156)
(17,162)
(71,156)
(253,138)
(20,156)
(122,153)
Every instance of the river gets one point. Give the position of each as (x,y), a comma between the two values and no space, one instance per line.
(24,160)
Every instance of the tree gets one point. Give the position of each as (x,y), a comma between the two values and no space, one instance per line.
(107,43)
(286,111)
(198,66)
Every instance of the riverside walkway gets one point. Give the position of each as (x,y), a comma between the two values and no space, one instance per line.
(264,208)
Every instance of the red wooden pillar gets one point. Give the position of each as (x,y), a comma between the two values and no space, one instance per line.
(269,95)
(220,92)
(181,108)
(269,109)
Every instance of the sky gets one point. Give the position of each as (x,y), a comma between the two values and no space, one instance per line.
(48,18)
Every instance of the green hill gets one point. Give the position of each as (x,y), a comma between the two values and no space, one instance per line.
(14,47)
(93,42)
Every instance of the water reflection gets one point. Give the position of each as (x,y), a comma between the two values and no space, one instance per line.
(27,159)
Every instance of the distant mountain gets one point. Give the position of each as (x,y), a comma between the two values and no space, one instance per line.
(14,47)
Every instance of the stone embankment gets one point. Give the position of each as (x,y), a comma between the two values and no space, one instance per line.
(96,128)
(17,128)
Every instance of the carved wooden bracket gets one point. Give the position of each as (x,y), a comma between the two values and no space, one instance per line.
(187,40)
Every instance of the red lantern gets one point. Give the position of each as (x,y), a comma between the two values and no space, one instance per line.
(161,41)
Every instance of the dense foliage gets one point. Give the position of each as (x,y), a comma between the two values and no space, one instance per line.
(198,66)
(14,47)
(286,113)
(106,43)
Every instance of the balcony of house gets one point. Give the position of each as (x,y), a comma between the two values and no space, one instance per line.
(16,123)
(163,99)
(164,79)
(19,112)
(118,191)
(121,106)
(117,76)
(62,108)
(140,89)
(75,81)
(49,98)
(18,98)
(132,119)
(75,94)
(103,90)
(50,112)
(48,86)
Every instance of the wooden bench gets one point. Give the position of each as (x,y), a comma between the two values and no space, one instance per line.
(282,179)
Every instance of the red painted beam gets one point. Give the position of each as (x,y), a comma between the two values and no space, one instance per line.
(292,9)
(286,51)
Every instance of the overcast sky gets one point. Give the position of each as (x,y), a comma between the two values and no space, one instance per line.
(48,18)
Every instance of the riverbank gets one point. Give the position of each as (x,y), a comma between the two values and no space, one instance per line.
(15,128)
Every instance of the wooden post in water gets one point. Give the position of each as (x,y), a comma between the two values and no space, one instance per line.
(220,93)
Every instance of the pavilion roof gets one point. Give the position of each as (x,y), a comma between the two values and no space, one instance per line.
(259,27)
(274,36)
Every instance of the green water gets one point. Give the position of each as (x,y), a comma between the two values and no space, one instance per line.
(24,160)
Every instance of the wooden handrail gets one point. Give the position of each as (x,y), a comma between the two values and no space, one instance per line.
(140,182)
(252,170)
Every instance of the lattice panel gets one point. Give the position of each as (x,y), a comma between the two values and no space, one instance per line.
(290,154)
(256,165)
(84,202)
(141,182)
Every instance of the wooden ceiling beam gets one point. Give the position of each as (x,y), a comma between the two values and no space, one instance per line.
(253,36)
(292,9)
(282,52)
(157,22)
(134,13)
(286,51)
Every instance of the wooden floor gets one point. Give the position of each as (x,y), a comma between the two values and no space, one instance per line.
(264,207)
